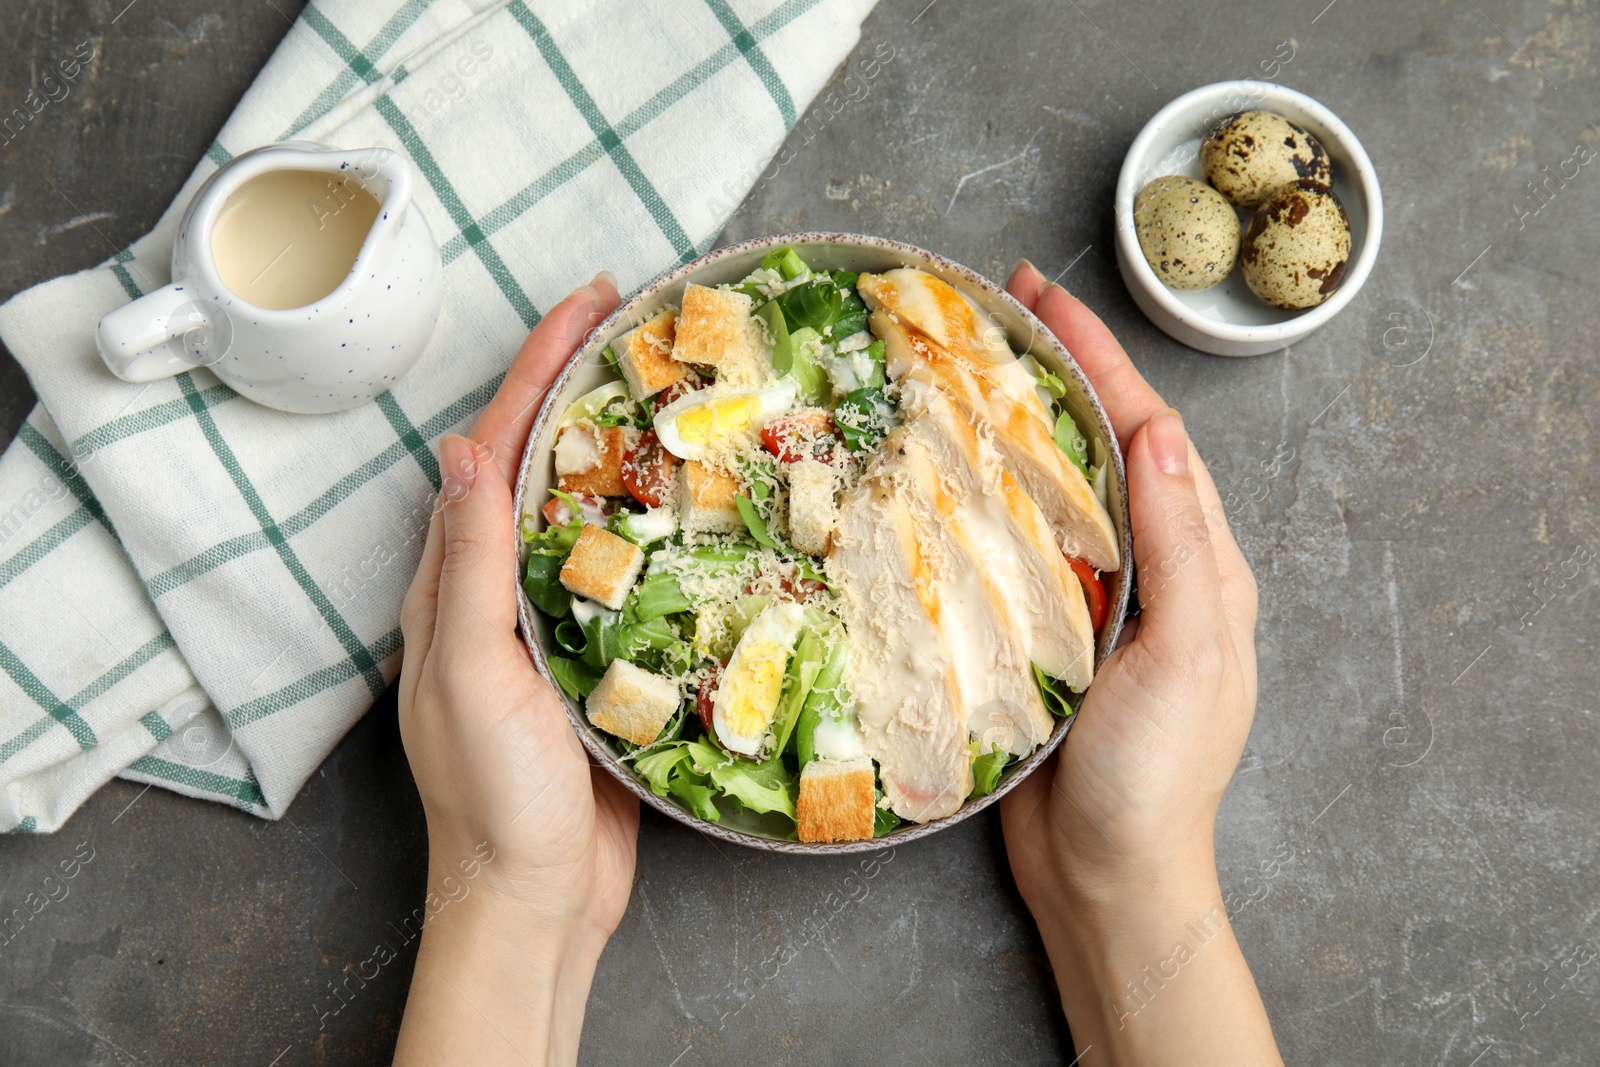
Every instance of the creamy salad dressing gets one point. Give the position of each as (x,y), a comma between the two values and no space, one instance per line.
(287,238)
(577,452)
(586,611)
(838,740)
(1018,383)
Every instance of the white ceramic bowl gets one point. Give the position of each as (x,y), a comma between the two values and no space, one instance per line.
(588,369)
(1228,319)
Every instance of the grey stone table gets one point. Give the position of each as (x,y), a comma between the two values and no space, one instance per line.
(1410,842)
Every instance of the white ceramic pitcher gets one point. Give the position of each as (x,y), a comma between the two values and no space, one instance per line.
(315,340)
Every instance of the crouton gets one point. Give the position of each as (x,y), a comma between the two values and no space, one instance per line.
(644,355)
(811,507)
(705,499)
(589,458)
(602,566)
(715,329)
(837,800)
(632,703)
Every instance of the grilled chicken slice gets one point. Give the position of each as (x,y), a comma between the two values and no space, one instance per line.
(947,555)
(1014,540)
(940,312)
(936,339)
(971,568)
(907,699)
(955,326)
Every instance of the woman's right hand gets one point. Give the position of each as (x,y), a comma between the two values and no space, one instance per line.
(1111,842)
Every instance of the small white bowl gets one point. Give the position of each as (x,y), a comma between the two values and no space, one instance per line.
(1228,319)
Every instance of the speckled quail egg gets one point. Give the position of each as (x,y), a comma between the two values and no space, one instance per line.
(1187,231)
(1297,246)
(1255,153)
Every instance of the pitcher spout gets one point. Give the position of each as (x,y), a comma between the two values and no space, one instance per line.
(385,174)
(380,172)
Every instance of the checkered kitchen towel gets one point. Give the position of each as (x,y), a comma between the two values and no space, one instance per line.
(204,594)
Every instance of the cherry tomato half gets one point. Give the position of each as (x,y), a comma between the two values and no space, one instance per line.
(1094,590)
(556,512)
(679,389)
(647,470)
(703,698)
(804,434)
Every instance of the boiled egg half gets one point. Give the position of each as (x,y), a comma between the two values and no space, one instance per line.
(701,422)
(746,700)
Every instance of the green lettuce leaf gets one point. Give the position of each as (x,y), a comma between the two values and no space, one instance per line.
(655,766)
(659,594)
(755,523)
(986,768)
(760,473)
(778,334)
(1071,441)
(877,352)
(542,582)
(852,318)
(786,261)
(694,792)
(760,787)
(555,541)
(822,700)
(1057,695)
(802,673)
(861,418)
(814,305)
(669,770)
(570,636)
(806,367)
(883,820)
(575,679)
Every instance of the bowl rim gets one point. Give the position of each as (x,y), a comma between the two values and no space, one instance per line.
(1261,96)
(628,312)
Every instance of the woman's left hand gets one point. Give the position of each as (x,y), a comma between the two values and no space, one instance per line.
(531,848)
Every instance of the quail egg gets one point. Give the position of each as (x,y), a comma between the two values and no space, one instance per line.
(1297,246)
(1189,234)
(1253,154)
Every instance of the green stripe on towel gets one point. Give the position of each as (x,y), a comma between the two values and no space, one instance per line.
(309,686)
(246,791)
(423,158)
(41,695)
(757,59)
(636,120)
(252,498)
(236,547)
(608,137)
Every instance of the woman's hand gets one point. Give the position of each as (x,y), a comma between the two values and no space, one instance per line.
(1111,844)
(530,847)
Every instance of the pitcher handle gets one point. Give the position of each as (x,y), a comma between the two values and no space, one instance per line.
(162,334)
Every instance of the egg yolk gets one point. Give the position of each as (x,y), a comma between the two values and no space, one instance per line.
(753,684)
(718,418)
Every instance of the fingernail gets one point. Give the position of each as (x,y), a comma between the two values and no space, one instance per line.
(1169,444)
(589,293)
(1024,261)
(1052,284)
(458,464)
(604,276)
